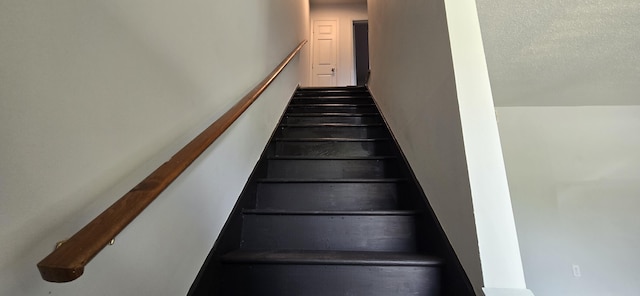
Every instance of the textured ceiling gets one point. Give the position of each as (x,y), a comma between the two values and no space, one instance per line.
(562,53)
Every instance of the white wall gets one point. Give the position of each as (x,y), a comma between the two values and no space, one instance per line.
(96,95)
(574,174)
(430,79)
(345,14)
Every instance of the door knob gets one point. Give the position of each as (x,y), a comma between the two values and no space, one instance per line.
(333,69)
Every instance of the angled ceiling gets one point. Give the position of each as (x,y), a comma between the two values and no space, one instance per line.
(562,53)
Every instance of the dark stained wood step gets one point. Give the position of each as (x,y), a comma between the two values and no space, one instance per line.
(323,124)
(335,108)
(274,279)
(334,94)
(307,157)
(353,118)
(326,180)
(316,257)
(351,88)
(332,105)
(331,100)
(354,196)
(331,213)
(340,97)
(333,131)
(329,114)
(331,88)
(333,148)
(315,168)
(330,91)
(343,231)
(334,139)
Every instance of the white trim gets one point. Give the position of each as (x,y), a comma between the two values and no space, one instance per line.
(493,213)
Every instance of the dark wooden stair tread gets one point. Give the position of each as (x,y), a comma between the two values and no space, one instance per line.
(283,157)
(303,125)
(329,180)
(331,258)
(328,92)
(333,96)
(331,88)
(332,139)
(327,114)
(334,105)
(330,213)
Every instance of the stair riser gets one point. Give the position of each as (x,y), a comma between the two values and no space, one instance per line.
(332,119)
(339,96)
(332,109)
(323,197)
(329,232)
(330,196)
(333,132)
(344,149)
(331,100)
(333,90)
(303,203)
(332,169)
(314,93)
(335,280)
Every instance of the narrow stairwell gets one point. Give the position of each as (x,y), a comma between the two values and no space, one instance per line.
(331,209)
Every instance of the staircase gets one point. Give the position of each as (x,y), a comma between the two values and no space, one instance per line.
(331,209)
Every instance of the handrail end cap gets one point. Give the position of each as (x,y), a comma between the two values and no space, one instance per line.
(59,274)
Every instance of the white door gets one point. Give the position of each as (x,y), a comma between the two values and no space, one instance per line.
(325,52)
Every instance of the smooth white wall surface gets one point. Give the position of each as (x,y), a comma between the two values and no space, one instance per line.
(574,174)
(413,81)
(345,14)
(95,96)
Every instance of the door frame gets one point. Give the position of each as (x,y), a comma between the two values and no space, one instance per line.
(311,45)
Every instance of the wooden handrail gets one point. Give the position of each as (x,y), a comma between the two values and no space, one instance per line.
(66,263)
